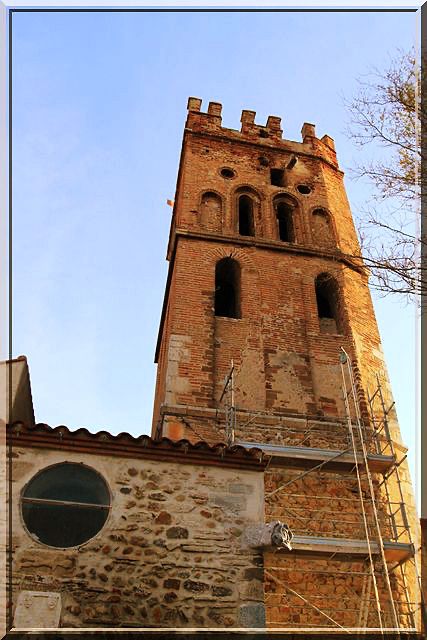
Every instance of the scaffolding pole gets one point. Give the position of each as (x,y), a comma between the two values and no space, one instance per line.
(352,392)
(230,407)
(305,600)
(356,431)
(378,426)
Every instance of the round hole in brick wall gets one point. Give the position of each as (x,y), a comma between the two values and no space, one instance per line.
(304,189)
(264,162)
(227,173)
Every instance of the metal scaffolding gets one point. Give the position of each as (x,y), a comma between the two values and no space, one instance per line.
(227,396)
(350,395)
(363,440)
(379,415)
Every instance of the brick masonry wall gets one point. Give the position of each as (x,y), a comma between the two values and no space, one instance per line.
(327,504)
(195,424)
(335,512)
(284,363)
(169,555)
(341,589)
(282,360)
(277,344)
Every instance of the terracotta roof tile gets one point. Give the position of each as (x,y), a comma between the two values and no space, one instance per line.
(61,437)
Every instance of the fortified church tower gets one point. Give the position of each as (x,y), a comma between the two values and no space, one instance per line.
(268,338)
(264,272)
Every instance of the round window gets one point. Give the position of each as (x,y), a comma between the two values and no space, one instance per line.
(227,173)
(304,188)
(65,505)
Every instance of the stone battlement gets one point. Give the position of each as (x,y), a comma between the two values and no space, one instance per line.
(268,134)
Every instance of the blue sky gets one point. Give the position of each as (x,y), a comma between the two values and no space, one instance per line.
(99,105)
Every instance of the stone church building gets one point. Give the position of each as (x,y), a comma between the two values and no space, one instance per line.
(274,491)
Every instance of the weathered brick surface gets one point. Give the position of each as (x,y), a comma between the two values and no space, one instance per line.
(327,504)
(283,360)
(288,383)
(169,554)
(334,511)
(340,589)
(276,429)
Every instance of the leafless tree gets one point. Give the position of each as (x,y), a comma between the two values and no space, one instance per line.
(386,114)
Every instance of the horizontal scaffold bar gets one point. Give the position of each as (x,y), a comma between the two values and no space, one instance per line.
(306,456)
(394,551)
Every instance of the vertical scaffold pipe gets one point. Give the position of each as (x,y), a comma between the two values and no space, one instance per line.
(343,361)
(346,360)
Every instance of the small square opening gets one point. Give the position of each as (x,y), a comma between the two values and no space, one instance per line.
(277,177)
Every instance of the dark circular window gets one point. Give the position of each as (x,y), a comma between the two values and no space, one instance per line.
(304,188)
(65,505)
(227,173)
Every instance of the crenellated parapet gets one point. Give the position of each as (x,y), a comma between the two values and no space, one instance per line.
(265,294)
(269,134)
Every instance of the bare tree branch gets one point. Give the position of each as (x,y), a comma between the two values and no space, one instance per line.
(387,113)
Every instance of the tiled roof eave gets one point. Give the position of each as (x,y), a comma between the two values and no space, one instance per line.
(128,446)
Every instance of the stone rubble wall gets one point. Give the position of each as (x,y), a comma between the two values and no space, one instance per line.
(169,554)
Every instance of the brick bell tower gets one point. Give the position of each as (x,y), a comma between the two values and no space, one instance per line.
(264,271)
(266,288)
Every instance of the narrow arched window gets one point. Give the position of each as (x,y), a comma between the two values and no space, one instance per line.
(322,231)
(227,288)
(284,214)
(246,216)
(211,210)
(328,307)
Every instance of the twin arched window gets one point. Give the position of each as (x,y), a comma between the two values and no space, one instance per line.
(284,207)
(286,215)
(227,296)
